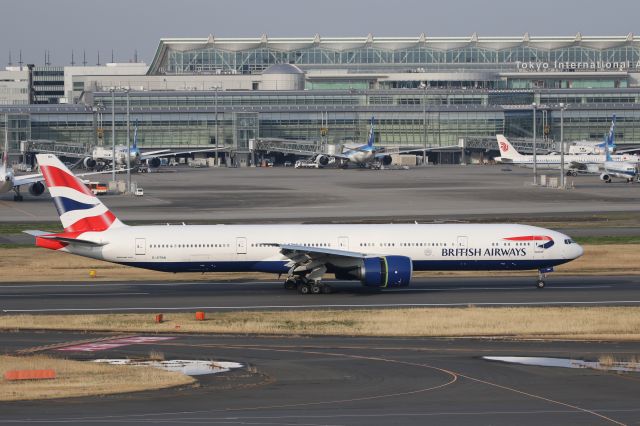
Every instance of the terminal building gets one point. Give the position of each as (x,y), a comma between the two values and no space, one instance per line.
(443,93)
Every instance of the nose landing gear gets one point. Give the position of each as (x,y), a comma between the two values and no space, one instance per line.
(542,275)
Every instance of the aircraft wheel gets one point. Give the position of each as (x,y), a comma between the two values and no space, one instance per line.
(290,284)
(540,284)
(303,289)
(315,288)
(18,197)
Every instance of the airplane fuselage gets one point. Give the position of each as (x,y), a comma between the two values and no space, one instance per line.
(237,248)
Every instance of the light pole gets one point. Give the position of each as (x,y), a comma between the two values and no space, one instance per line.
(113,134)
(128,143)
(562,173)
(535,158)
(215,97)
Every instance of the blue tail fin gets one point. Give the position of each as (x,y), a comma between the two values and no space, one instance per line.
(135,136)
(610,139)
(371,136)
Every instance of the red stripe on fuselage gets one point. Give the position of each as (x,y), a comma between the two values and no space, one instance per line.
(529,238)
(93,223)
(56,177)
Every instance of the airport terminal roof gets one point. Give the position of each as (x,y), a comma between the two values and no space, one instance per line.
(341,44)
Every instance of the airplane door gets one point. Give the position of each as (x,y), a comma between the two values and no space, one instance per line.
(141,246)
(241,245)
(343,243)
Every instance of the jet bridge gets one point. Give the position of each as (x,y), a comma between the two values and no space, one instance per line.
(287,146)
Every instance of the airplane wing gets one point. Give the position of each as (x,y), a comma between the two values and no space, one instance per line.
(167,153)
(314,260)
(29,179)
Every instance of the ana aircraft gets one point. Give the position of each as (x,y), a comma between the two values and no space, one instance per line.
(382,256)
(102,156)
(10,182)
(619,169)
(362,155)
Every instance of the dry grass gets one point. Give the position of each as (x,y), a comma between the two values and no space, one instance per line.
(79,378)
(610,323)
(612,259)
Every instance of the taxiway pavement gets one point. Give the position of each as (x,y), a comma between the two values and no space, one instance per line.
(429,292)
(352,381)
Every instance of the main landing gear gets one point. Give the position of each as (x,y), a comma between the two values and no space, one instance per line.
(17,196)
(542,275)
(305,286)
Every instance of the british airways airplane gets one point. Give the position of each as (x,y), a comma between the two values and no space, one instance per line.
(382,256)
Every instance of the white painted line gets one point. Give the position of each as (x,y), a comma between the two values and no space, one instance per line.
(71,294)
(373,305)
(530,287)
(140,284)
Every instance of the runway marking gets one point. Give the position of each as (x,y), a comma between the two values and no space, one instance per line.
(530,288)
(349,306)
(71,294)
(114,343)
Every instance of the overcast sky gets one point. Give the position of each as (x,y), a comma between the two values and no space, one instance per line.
(61,26)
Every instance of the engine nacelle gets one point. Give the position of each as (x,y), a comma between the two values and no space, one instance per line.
(605,177)
(154,162)
(89,163)
(36,189)
(386,160)
(387,271)
(322,160)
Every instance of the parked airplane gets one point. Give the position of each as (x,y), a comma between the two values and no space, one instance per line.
(381,256)
(363,155)
(102,155)
(587,162)
(10,182)
(625,170)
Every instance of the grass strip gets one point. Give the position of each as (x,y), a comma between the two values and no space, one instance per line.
(81,378)
(586,323)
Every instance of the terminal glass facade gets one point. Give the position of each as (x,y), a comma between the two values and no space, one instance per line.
(225,56)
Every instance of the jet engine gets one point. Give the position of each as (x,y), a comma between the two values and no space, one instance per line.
(386,160)
(386,271)
(36,188)
(154,162)
(605,177)
(322,160)
(89,163)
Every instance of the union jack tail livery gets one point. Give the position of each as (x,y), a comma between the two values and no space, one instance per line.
(79,209)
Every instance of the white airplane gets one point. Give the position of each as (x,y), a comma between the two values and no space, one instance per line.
(363,155)
(588,162)
(10,182)
(103,155)
(383,256)
(624,170)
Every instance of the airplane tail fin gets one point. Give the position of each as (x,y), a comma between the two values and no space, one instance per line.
(5,153)
(371,134)
(79,209)
(610,139)
(506,149)
(135,136)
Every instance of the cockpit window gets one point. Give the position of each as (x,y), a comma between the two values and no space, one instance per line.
(569,241)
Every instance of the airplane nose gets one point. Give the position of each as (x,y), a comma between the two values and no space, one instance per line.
(579,251)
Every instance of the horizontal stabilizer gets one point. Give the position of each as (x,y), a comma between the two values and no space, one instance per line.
(67,240)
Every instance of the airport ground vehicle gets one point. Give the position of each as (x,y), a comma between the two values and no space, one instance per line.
(380,256)
(139,192)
